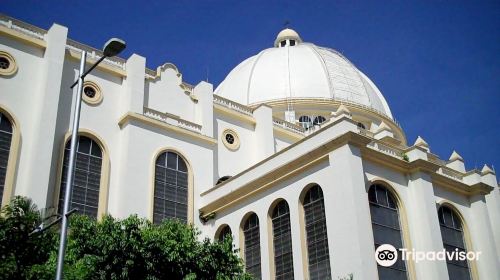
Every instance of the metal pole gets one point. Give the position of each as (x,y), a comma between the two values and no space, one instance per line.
(71,168)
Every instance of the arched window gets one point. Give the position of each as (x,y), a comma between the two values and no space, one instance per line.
(252,245)
(453,241)
(305,121)
(171,188)
(5,143)
(316,234)
(282,240)
(319,120)
(386,228)
(224,233)
(86,179)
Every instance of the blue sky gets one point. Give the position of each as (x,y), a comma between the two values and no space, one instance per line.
(436,62)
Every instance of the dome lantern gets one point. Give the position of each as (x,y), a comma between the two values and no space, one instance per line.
(287,37)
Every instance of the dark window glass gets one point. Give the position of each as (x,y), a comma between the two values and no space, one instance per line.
(230,138)
(360,125)
(282,43)
(292,42)
(282,240)
(316,234)
(224,233)
(386,229)
(171,188)
(5,141)
(252,246)
(453,241)
(305,121)
(4,63)
(319,120)
(86,177)
(89,91)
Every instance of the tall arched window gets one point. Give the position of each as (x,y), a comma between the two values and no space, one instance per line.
(252,245)
(86,179)
(386,228)
(171,188)
(316,234)
(282,240)
(224,232)
(453,241)
(5,143)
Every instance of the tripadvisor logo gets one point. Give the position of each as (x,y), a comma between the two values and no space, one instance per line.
(386,255)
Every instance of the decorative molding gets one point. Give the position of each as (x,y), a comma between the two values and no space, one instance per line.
(455,156)
(12,68)
(131,116)
(392,159)
(333,104)
(97,99)
(236,139)
(22,31)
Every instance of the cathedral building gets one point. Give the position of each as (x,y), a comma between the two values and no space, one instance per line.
(296,155)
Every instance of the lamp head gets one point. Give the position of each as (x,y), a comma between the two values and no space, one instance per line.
(113,47)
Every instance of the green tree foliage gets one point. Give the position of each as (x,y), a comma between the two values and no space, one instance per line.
(135,248)
(19,249)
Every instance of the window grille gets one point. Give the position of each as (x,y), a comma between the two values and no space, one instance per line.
(86,179)
(5,143)
(252,246)
(386,229)
(317,238)
(282,240)
(224,233)
(453,241)
(171,188)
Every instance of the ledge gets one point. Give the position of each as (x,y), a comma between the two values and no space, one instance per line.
(23,37)
(102,66)
(131,116)
(234,113)
(247,188)
(243,186)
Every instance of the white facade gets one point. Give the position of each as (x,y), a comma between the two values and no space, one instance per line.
(268,104)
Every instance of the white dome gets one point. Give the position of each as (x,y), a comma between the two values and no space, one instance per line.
(298,72)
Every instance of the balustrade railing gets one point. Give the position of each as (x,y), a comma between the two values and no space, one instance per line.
(288,126)
(22,27)
(171,119)
(233,105)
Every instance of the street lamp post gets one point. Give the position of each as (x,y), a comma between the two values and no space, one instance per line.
(111,48)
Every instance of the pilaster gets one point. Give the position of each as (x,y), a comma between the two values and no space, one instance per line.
(425,232)
(263,132)
(482,239)
(41,143)
(350,237)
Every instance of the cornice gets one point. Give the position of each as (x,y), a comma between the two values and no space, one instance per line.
(278,174)
(233,113)
(131,116)
(23,37)
(286,132)
(102,66)
(319,154)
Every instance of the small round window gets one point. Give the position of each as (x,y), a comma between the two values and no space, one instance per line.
(92,94)
(8,64)
(230,139)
